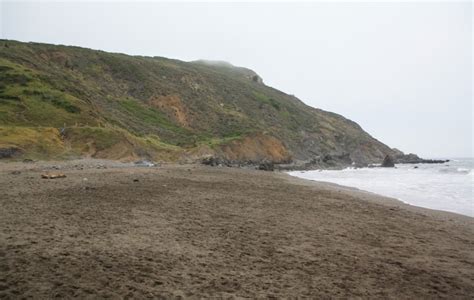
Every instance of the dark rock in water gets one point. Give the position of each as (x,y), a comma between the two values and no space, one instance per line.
(414,159)
(360,165)
(9,152)
(329,161)
(415,167)
(266,166)
(407,158)
(334,161)
(434,161)
(388,162)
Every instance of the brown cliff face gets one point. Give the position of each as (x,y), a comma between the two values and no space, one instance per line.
(258,147)
(173,107)
(126,107)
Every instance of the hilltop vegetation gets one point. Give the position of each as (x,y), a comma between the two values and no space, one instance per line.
(64,102)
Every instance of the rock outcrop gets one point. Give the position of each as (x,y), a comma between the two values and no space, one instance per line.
(388,162)
(414,159)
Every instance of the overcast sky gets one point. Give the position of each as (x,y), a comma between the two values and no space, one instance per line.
(403,71)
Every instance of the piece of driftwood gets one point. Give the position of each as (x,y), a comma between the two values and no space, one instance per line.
(53,176)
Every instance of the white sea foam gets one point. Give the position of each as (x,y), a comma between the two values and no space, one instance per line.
(447,187)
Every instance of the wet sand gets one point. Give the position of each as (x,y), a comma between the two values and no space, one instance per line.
(117,231)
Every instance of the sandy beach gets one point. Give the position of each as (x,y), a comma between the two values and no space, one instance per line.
(111,230)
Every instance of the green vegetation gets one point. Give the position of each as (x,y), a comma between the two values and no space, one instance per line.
(56,99)
(102,138)
(214,142)
(37,143)
(264,99)
(8,77)
(149,115)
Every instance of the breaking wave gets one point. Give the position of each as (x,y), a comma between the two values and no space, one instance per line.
(447,187)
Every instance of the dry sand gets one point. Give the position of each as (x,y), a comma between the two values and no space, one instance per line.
(193,231)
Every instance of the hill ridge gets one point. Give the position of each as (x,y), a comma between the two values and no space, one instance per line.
(68,101)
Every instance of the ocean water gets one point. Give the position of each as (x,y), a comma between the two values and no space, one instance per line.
(447,186)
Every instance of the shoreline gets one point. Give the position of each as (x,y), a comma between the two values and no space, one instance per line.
(385,200)
(110,229)
(409,192)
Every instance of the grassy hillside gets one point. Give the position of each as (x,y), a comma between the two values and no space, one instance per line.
(63,102)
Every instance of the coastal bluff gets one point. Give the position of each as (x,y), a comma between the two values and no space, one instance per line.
(65,102)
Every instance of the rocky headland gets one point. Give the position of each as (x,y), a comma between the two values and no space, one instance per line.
(63,102)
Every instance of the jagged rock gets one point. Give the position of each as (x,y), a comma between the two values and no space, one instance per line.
(407,158)
(216,161)
(415,159)
(327,161)
(388,162)
(327,158)
(209,161)
(266,166)
(433,161)
(344,158)
(332,161)
(257,79)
